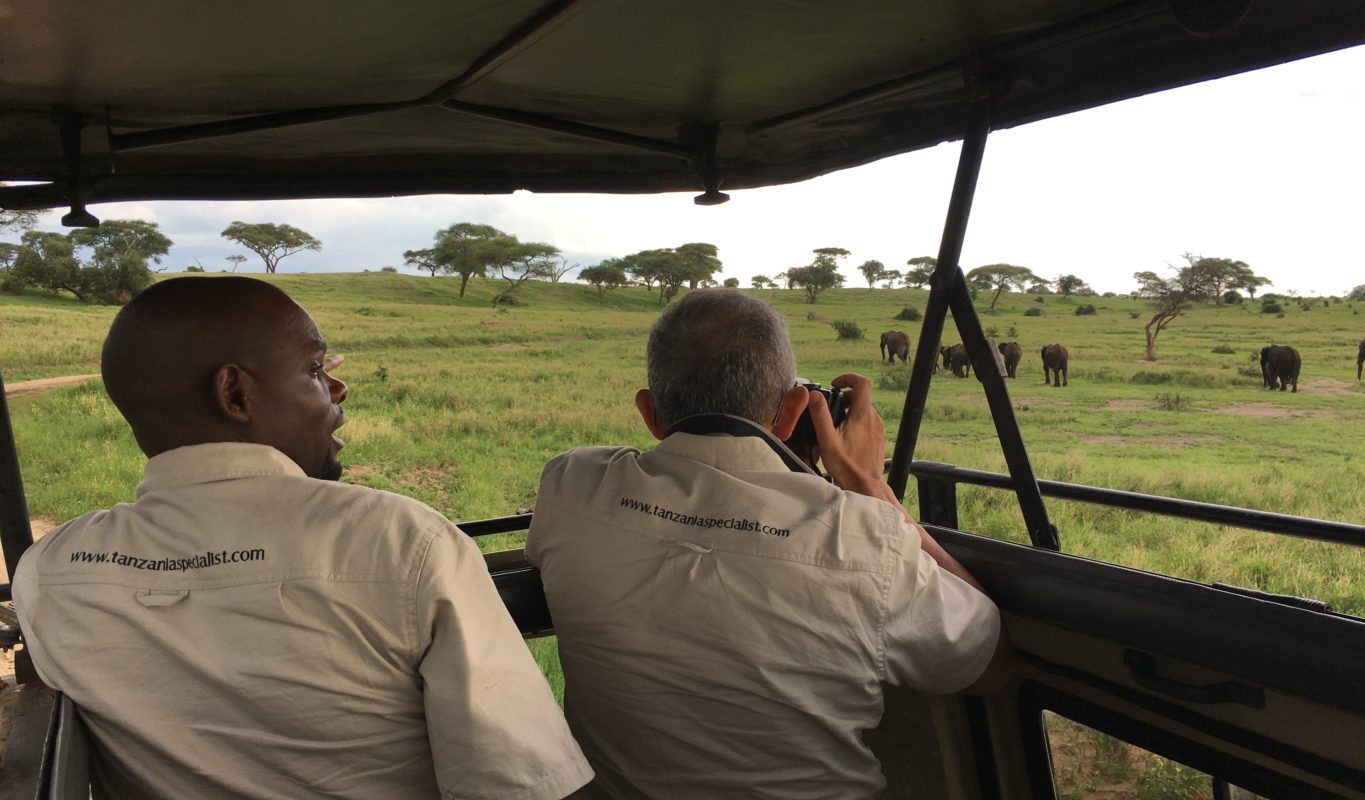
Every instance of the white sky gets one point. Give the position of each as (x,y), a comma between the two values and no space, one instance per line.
(1264,167)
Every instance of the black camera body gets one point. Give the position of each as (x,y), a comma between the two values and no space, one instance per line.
(802,441)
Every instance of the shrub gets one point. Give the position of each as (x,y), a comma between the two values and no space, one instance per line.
(910,314)
(1232,297)
(388,269)
(1133,314)
(1180,377)
(896,379)
(1172,402)
(1223,349)
(193,268)
(1039,300)
(847,329)
(1013,332)
(1033,312)
(1085,310)
(1272,308)
(992,332)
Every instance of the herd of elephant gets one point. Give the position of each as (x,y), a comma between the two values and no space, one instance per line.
(1279,364)
(955,359)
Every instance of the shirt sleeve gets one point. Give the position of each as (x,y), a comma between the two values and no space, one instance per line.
(494,726)
(940,632)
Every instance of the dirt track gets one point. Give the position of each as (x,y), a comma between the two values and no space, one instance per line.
(44,384)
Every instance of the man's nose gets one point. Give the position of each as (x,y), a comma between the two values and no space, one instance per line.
(339,390)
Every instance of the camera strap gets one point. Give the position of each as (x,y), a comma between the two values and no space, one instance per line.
(731,425)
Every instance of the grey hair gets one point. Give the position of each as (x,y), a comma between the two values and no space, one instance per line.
(719,352)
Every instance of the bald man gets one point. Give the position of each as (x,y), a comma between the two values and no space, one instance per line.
(248,627)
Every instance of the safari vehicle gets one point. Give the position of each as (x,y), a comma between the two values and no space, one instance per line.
(153,100)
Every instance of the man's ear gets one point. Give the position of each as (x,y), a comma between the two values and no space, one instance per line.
(794,404)
(644,402)
(232,393)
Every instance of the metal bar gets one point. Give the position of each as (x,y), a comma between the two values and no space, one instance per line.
(936,309)
(15,534)
(541,122)
(161,137)
(486,527)
(513,43)
(1051,37)
(1268,521)
(1041,531)
(938,502)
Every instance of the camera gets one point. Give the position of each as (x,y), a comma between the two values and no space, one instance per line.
(802,441)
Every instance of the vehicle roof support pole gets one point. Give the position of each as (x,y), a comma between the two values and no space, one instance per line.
(948,289)
(15,533)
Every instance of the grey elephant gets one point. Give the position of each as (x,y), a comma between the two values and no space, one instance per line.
(1280,367)
(1011,352)
(1055,360)
(895,343)
(956,359)
(1360,359)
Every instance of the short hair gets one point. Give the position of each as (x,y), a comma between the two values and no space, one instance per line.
(719,352)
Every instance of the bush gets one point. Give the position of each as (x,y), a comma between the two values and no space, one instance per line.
(1232,297)
(1224,349)
(1133,314)
(194,269)
(388,269)
(1085,310)
(1033,312)
(1013,332)
(1172,402)
(847,329)
(1039,300)
(896,379)
(910,314)
(1272,308)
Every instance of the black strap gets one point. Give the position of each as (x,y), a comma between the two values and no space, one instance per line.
(731,425)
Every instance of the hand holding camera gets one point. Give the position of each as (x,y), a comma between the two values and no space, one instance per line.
(853,448)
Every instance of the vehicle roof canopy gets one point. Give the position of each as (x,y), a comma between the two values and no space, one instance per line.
(314,98)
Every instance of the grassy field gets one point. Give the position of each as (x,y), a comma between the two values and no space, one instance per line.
(458,405)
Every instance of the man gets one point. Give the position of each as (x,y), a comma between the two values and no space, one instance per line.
(251,628)
(725,622)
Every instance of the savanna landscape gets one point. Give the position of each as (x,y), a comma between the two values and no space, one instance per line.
(458,403)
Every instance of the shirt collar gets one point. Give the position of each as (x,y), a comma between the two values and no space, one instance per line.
(207,463)
(728,453)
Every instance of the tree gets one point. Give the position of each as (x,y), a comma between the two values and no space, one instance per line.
(922,270)
(1041,287)
(17,221)
(1173,296)
(1068,285)
(270,241)
(699,261)
(1001,277)
(1246,280)
(889,278)
(821,274)
(422,259)
(519,262)
(469,249)
(117,239)
(605,276)
(872,271)
(761,281)
(236,261)
(8,252)
(731,283)
(1357,293)
(560,268)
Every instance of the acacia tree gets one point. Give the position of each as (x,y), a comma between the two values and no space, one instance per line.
(889,278)
(560,268)
(872,270)
(699,260)
(470,250)
(1356,293)
(1001,277)
(519,262)
(236,261)
(1243,278)
(8,252)
(270,241)
(422,259)
(821,274)
(1174,295)
(761,282)
(922,269)
(1068,285)
(605,276)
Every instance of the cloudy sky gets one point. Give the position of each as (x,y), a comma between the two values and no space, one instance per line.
(1265,167)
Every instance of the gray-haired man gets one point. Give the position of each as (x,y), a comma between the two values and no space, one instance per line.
(725,622)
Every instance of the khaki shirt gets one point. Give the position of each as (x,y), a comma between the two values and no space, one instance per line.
(725,625)
(245,631)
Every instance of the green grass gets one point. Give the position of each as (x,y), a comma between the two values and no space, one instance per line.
(458,405)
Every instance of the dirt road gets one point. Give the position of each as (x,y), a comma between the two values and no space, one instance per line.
(44,384)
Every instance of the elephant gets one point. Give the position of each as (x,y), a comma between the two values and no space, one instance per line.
(1280,367)
(895,343)
(956,359)
(1011,353)
(1054,362)
(1360,359)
